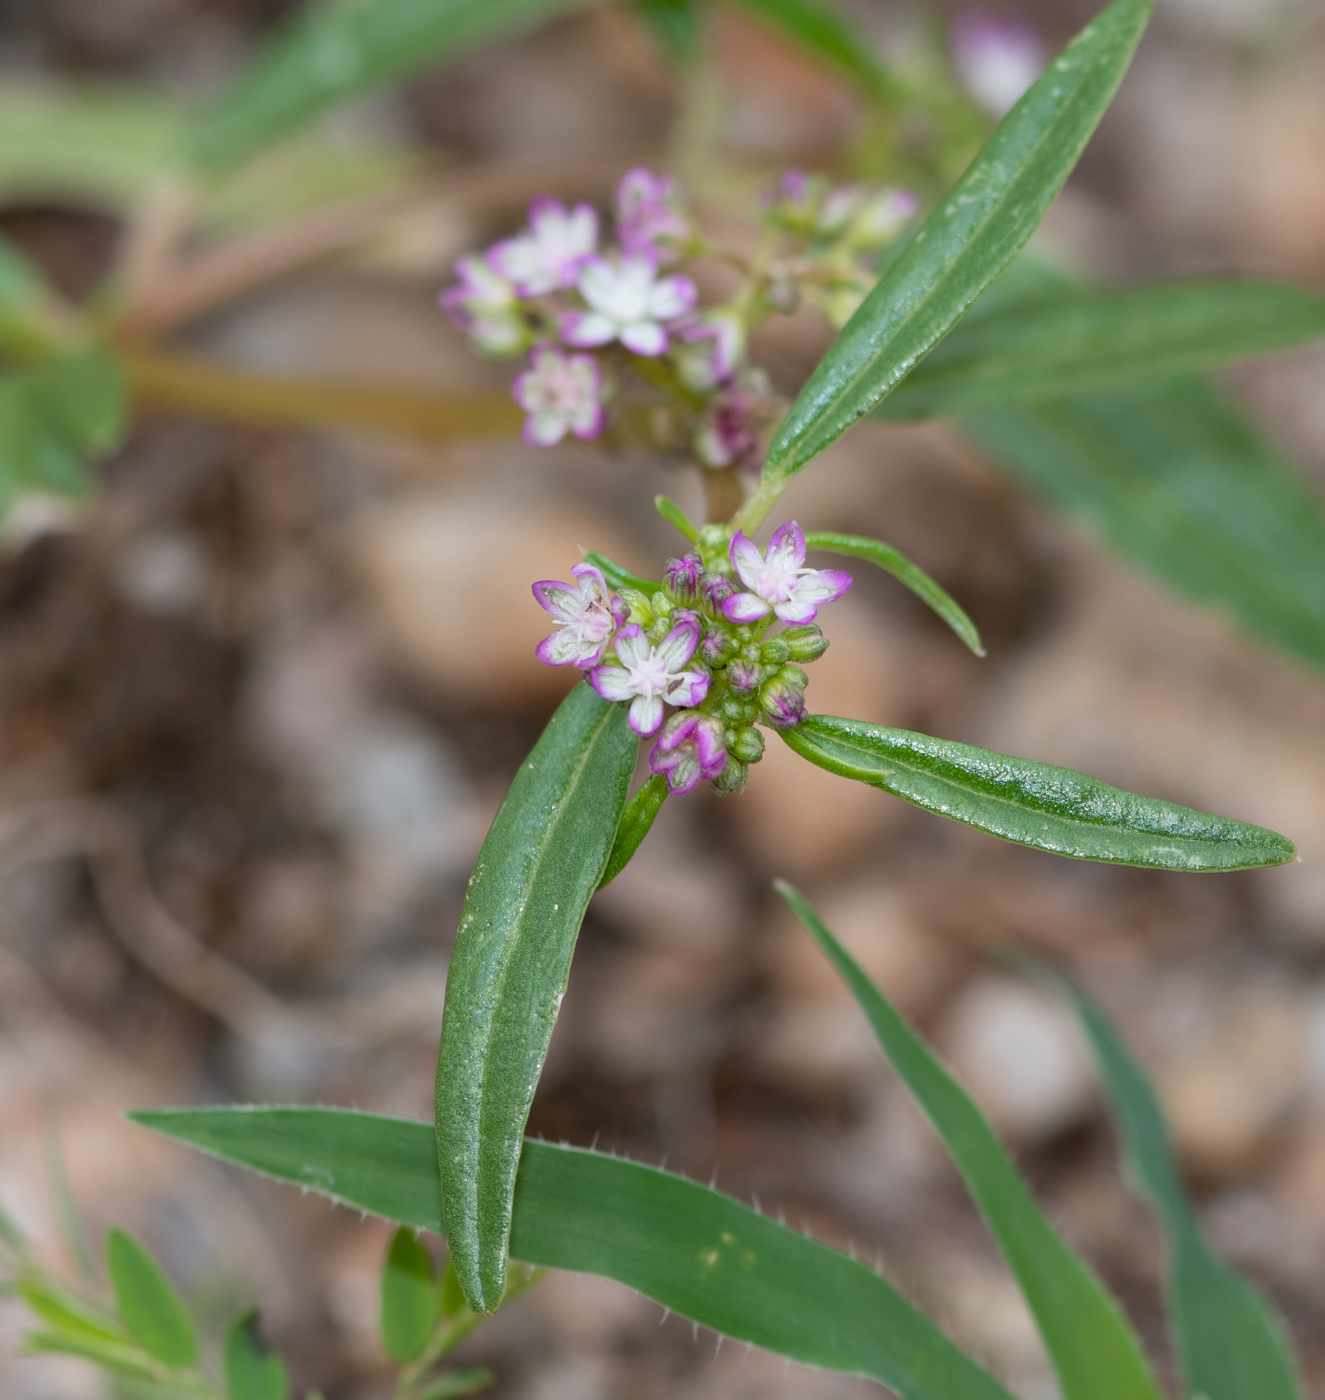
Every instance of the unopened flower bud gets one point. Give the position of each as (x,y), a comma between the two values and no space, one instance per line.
(717,589)
(744,677)
(793,675)
(639,607)
(733,710)
(732,778)
(748,745)
(716,647)
(783,700)
(684,577)
(775,651)
(804,643)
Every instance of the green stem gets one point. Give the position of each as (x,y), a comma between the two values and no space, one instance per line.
(757,506)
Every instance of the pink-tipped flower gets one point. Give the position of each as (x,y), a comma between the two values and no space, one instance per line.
(627,302)
(561,393)
(779,582)
(683,578)
(649,675)
(689,748)
(728,431)
(997,58)
(880,218)
(550,253)
(711,345)
(782,699)
(589,613)
(484,304)
(649,216)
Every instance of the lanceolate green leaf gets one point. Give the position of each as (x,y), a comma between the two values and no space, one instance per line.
(410,1304)
(540,863)
(1034,804)
(617,577)
(252,1370)
(1089,339)
(826,34)
(343,48)
(123,1360)
(967,241)
(1092,1347)
(636,822)
(893,561)
(151,1308)
(683,1245)
(1175,479)
(1231,1344)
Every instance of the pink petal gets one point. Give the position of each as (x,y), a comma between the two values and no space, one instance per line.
(821,585)
(586,328)
(644,338)
(786,550)
(746,558)
(678,646)
(612,682)
(557,598)
(631,644)
(745,607)
(673,297)
(646,714)
(689,688)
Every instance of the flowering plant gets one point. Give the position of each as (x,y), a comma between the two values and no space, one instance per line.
(698,664)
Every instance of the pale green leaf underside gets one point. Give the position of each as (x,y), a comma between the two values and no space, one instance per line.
(338,50)
(1231,1344)
(148,1302)
(894,562)
(683,1245)
(967,241)
(541,861)
(1093,1349)
(1084,340)
(1034,804)
(1176,479)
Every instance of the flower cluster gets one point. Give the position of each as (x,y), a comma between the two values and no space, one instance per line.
(600,322)
(700,643)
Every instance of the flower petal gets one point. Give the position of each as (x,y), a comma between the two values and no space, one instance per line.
(612,682)
(646,714)
(672,297)
(786,550)
(545,428)
(587,328)
(821,585)
(746,558)
(689,688)
(678,646)
(745,607)
(558,598)
(644,338)
(631,645)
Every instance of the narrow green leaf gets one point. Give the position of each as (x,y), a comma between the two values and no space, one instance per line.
(252,1370)
(72,1230)
(345,48)
(541,861)
(674,515)
(68,1316)
(123,1360)
(636,822)
(967,241)
(84,398)
(22,287)
(411,1304)
(684,1245)
(894,562)
(617,577)
(461,1383)
(452,1295)
(1175,479)
(1232,1345)
(151,1308)
(1091,339)
(827,35)
(1091,1344)
(1034,804)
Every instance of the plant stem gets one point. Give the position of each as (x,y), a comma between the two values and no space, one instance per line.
(764,497)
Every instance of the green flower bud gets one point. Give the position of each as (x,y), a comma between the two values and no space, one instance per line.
(775,651)
(641,610)
(732,778)
(748,745)
(804,643)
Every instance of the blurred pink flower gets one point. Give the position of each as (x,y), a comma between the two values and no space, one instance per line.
(550,253)
(997,58)
(561,393)
(627,302)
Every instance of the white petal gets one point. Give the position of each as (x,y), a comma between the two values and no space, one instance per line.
(613,683)
(646,714)
(644,338)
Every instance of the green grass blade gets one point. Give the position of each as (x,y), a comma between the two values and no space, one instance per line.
(122,1360)
(411,1301)
(894,562)
(541,861)
(684,1245)
(1090,1342)
(827,35)
(461,1383)
(1176,480)
(68,1316)
(149,1305)
(1034,804)
(967,241)
(252,1370)
(344,48)
(1087,340)
(1232,1345)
